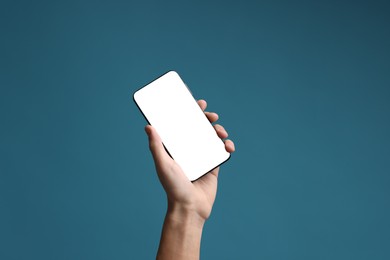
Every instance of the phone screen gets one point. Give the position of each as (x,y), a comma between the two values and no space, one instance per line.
(186,133)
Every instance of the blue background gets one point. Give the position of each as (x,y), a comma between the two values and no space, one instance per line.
(303,88)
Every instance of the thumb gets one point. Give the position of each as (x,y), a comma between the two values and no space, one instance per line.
(155,145)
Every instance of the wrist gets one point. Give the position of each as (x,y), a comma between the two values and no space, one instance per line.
(182,233)
(185,215)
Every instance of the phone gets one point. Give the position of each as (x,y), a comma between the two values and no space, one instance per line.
(188,136)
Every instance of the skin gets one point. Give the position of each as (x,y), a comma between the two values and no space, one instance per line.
(189,203)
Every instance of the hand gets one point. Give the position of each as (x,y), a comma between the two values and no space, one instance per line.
(183,195)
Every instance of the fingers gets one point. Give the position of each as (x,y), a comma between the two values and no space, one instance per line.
(155,145)
(229,146)
(221,132)
(202,103)
(211,116)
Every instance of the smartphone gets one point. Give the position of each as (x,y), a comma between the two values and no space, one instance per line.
(188,136)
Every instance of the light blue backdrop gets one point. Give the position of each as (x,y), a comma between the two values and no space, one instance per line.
(303,88)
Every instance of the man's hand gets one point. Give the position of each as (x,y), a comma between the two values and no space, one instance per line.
(189,203)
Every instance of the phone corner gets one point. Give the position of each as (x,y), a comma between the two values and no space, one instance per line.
(134,95)
(229,155)
(173,73)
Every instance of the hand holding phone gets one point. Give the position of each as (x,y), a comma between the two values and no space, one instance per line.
(185,131)
(197,196)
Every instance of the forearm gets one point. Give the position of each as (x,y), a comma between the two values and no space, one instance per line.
(181,235)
